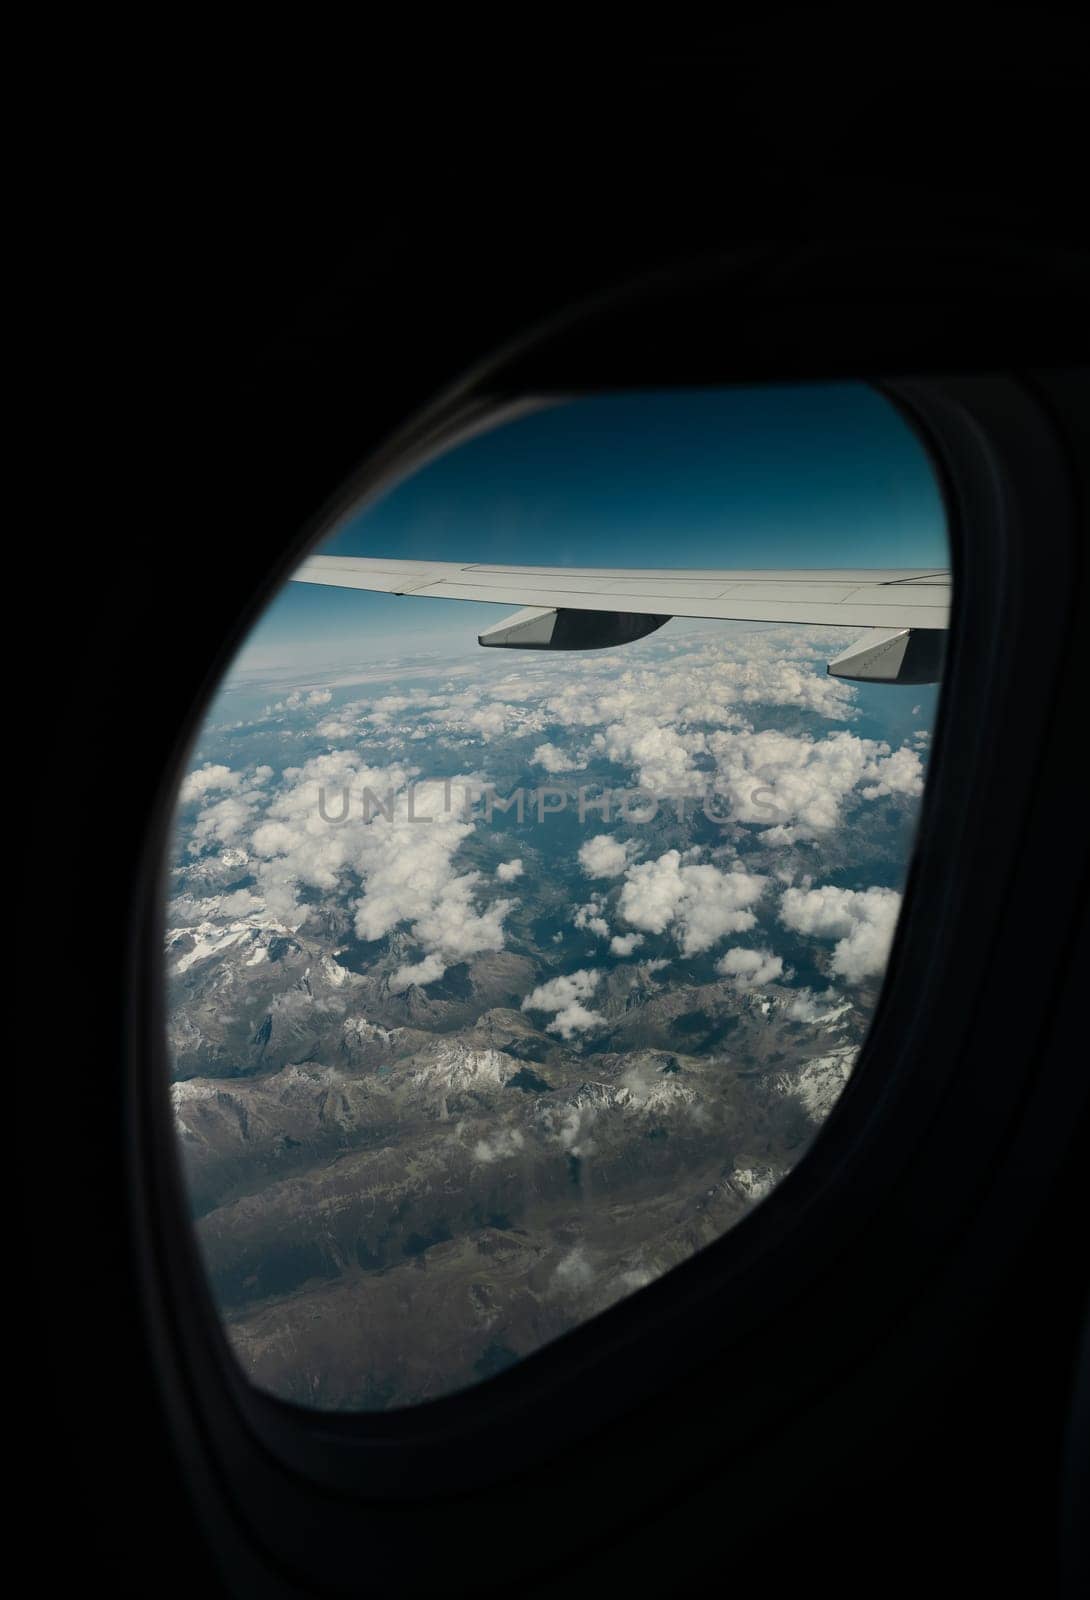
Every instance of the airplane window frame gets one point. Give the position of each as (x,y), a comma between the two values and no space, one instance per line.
(973,428)
(435,439)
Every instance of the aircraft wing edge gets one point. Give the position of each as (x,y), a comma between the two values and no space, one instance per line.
(885,598)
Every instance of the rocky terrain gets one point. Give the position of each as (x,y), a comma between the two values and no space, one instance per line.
(396,1194)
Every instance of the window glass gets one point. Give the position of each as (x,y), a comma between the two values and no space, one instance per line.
(502,980)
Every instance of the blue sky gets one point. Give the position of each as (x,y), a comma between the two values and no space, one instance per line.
(810,476)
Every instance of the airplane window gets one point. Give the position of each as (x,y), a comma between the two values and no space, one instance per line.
(502,979)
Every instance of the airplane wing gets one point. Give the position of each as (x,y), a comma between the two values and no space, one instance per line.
(573,608)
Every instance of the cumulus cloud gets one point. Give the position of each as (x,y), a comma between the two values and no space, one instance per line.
(242,903)
(573,1271)
(403,864)
(226,821)
(676,717)
(698,902)
(300,700)
(488,722)
(590,917)
(571,1125)
(464,713)
(195,785)
(796,786)
(899,773)
(862,922)
(504,1143)
(750,969)
(708,682)
(806,1006)
(680,725)
(603,856)
(452,929)
(418,972)
(553,759)
(661,757)
(565,996)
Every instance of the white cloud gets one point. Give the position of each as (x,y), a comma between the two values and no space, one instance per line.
(590,917)
(699,902)
(796,786)
(565,996)
(488,722)
(224,821)
(862,921)
(465,714)
(418,972)
(603,856)
(669,720)
(661,757)
(676,717)
(806,1006)
(206,779)
(573,1271)
(403,865)
(750,969)
(900,773)
(706,682)
(451,929)
(243,903)
(300,699)
(553,759)
(505,1142)
(570,1125)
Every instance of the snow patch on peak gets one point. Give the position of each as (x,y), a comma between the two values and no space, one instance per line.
(455,1066)
(820,1082)
(753,1183)
(333,972)
(645,1087)
(215,938)
(358,1029)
